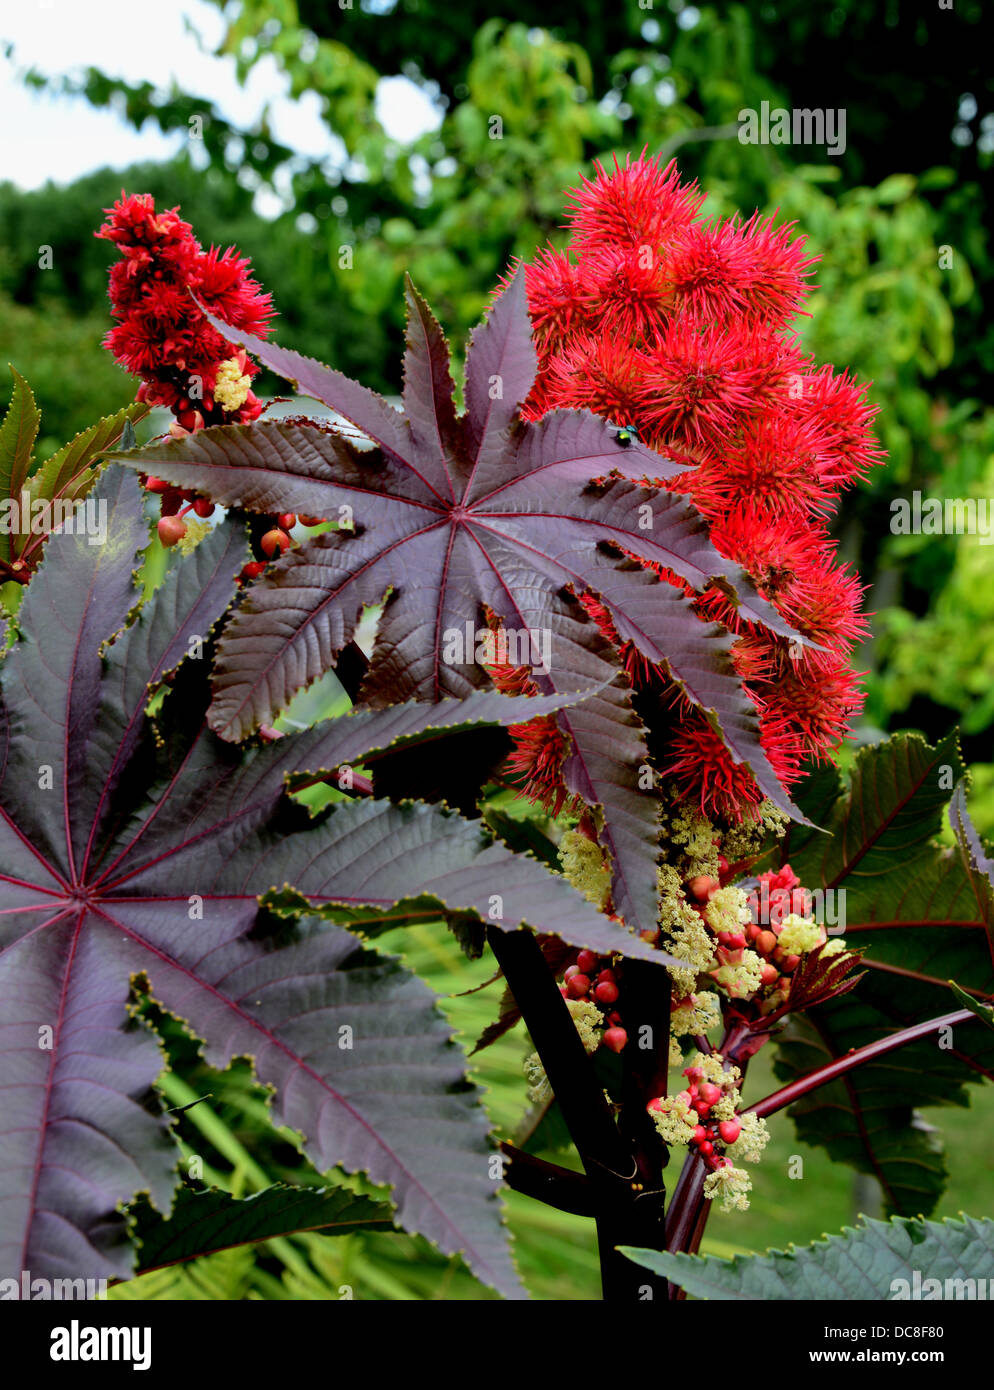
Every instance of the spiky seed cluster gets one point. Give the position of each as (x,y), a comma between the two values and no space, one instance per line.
(161,336)
(681,326)
(185,364)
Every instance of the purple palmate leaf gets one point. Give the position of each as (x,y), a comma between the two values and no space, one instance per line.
(459,516)
(135,846)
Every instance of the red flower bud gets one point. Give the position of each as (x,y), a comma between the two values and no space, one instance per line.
(171,529)
(730,1130)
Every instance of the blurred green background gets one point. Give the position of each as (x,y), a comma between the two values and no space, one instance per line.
(905,299)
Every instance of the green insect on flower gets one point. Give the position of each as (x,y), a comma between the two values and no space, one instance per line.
(625,434)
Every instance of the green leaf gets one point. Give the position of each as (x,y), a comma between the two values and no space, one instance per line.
(977,864)
(921,913)
(866,1118)
(876,1260)
(69,472)
(523,834)
(203,1222)
(985,1012)
(17,437)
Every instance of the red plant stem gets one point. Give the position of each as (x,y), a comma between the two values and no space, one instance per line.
(361,786)
(562,1188)
(689,1210)
(687,1197)
(7,572)
(856,1058)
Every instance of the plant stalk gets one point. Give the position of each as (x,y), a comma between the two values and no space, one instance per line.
(606,1154)
(856,1058)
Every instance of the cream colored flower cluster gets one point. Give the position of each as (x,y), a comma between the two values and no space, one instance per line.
(705,1118)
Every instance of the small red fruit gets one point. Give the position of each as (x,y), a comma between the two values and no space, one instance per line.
(253,569)
(287,520)
(707,1148)
(606,992)
(729,1130)
(701,886)
(203,507)
(578,986)
(615,1038)
(274,542)
(700,1134)
(171,529)
(710,1093)
(156,485)
(310,520)
(587,961)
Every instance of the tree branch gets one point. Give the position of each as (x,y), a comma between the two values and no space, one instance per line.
(562,1188)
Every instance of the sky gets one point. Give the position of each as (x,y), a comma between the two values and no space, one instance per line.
(46,137)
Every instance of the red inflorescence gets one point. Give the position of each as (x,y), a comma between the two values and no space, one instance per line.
(680,326)
(161,335)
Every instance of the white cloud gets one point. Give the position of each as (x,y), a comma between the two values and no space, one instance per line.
(43,137)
